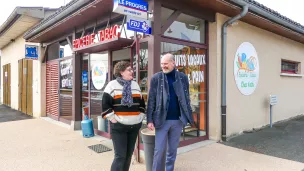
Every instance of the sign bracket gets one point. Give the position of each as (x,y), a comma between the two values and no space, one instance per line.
(123,26)
(109,21)
(83,31)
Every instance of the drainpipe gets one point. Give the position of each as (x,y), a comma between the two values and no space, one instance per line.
(224,50)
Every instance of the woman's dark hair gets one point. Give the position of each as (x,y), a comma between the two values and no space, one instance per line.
(120,67)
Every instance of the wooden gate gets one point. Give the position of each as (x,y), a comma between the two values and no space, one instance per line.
(7,84)
(52,88)
(25,86)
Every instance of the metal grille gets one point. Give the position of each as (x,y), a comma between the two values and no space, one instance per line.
(99,148)
(65,105)
(52,86)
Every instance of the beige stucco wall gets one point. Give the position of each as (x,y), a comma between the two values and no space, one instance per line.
(11,54)
(247,112)
(214,81)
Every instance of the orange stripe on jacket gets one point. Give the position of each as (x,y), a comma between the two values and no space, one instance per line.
(120,96)
(127,113)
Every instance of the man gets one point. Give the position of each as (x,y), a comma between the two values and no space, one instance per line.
(168,111)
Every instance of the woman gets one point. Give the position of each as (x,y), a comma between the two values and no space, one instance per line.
(123,105)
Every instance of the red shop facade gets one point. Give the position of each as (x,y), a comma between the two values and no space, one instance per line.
(81,48)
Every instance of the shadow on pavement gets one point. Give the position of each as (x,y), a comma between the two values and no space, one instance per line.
(284,140)
(7,114)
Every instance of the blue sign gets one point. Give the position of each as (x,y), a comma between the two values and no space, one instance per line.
(61,53)
(139,25)
(84,79)
(31,52)
(136,8)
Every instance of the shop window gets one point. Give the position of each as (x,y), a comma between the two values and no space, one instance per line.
(141,73)
(165,14)
(85,75)
(98,82)
(120,55)
(290,67)
(66,86)
(185,27)
(59,50)
(66,74)
(53,51)
(143,69)
(192,62)
(140,66)
(64,49)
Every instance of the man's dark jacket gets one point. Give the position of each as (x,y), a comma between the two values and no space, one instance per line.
(158,101)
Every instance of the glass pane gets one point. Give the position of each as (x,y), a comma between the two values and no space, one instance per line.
(188,28)
(84,85)
(53,51)
(66,74)
(192,62)
(66,85)
(98,82)
(289,67)
(134,64)
(165,14)
(65,49)
(121,55)
(143,68)
(66,98)
(143,77)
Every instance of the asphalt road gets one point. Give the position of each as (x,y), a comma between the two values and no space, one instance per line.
(7,114)
(284,140)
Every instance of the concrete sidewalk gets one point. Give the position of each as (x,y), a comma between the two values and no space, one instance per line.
(37,145)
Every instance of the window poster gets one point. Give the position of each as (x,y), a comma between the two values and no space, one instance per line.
(66,74)
(192,62)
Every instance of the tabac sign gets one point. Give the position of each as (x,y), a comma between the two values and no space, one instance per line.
(135,8)
(102,35)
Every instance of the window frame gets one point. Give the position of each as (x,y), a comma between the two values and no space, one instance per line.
(295,70)
(175,40)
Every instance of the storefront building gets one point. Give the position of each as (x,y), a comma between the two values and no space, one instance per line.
(20,66)
(229,75)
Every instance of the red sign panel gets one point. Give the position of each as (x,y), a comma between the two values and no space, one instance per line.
(104,35)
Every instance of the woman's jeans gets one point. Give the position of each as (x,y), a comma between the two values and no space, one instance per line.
(124,138)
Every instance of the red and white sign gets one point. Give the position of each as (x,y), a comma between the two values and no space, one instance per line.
(103,35)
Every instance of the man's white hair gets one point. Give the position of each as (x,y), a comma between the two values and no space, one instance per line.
(171,57)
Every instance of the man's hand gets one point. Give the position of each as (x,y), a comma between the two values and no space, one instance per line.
(114,120)
(151,126)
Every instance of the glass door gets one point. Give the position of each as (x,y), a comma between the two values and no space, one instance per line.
(85,86)
(94,81)
(98,81)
